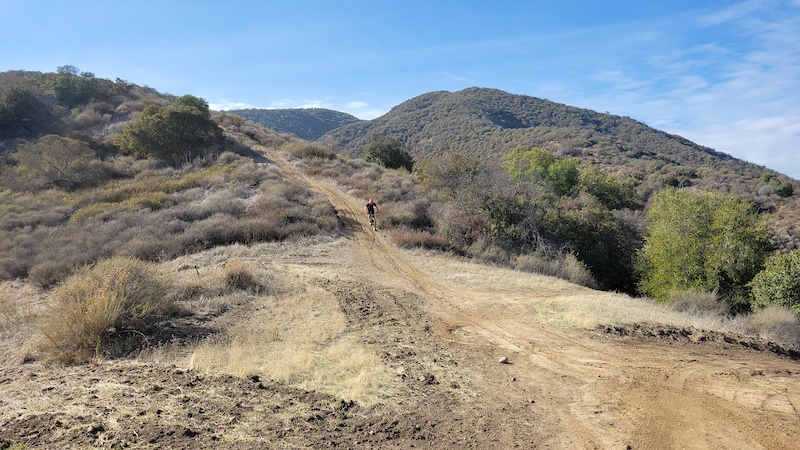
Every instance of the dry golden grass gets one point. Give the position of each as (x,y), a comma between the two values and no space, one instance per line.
(298,338)
(94,309)
(290,330)
(557,301)
(21,305)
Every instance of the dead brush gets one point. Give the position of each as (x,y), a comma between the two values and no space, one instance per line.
(105,310)
(776,323)
(238,276)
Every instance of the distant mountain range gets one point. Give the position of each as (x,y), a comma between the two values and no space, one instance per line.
(306,123)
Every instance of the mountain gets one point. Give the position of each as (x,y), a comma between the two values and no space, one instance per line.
(490,123)
(307,123)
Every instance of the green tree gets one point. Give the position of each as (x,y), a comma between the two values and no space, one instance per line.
(539,164)
(610,190)
(778,283)
(603,239)
(71,87)
(388,152)
(175,133)
(702,242)
(53,160)
(24,114)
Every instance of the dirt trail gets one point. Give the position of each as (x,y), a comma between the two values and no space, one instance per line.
(583,389)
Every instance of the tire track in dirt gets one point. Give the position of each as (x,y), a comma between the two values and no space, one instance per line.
(591,390)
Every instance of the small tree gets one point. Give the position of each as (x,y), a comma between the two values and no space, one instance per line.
(449,173)
(24,114)
(388,152)
(174,134)
(778,283)
(610,190)
(539,164)
(702,242)
(53,160)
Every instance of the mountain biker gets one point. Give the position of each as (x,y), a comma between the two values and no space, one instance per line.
(371,209)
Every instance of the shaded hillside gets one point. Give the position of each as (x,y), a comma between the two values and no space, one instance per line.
(490,123)
(307,123)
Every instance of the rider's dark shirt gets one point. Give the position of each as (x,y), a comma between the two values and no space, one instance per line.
(371,208)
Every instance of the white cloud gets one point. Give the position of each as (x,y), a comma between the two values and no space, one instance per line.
(227,105)
(737,11)
(359,105)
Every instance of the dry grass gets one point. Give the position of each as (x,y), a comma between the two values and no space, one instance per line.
(294,332)
(566,266)
(237,275)
(101,310)
(776,323)
(557,301)
(297,338)
(21,305)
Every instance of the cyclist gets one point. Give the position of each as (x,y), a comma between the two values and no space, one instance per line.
(371,208)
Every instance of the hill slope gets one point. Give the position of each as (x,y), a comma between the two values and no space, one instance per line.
(437,328)
(306,123)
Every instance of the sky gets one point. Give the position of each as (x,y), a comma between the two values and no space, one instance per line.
(724,74)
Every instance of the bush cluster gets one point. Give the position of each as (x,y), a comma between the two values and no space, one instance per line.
(156,215)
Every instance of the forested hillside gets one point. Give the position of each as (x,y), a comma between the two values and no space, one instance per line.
(307,123)
(489,123)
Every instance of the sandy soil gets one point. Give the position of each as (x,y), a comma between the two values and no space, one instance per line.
(476,365)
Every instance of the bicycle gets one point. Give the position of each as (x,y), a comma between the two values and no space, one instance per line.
(372,222)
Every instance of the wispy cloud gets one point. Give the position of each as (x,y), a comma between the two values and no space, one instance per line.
(227,105)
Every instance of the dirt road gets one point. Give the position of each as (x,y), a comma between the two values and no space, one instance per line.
(443,327)
(579,389)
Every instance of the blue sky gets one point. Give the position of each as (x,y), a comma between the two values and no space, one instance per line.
(725,74)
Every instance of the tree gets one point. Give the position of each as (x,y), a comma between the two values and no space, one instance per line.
(539,164)
(174,134)
(53,160)
(778,283)
(702,242)
(24,114)
(388,152)
(71,87)
(450,173)
(610,190)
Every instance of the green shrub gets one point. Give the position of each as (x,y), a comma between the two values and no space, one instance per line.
(175,134)
(388,152)
(778,283)
(784,189)
(104,311)
(307,151)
